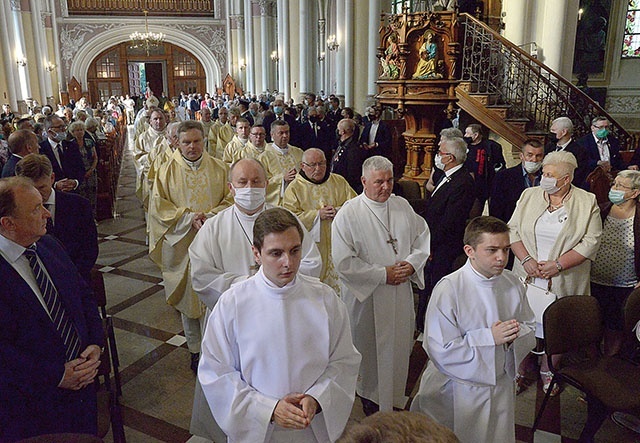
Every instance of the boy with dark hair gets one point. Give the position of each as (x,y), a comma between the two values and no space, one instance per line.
(478,328)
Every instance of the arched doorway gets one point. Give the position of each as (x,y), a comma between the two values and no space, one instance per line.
(123,69)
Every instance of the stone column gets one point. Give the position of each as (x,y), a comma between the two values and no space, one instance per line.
(8,54)
(516,21)
(250,80)
(373,42)
(284,43)
(349,45)
(554,31)
(340,55)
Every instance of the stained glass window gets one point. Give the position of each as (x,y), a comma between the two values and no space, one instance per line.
(631,42)
(108,65)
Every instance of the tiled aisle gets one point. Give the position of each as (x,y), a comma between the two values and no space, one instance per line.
(157,382)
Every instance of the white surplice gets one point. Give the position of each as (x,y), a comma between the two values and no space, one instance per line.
(262,343)
(221,254)
(381,315)
(468,384)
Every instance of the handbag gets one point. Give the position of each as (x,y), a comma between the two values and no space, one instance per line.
(539,298)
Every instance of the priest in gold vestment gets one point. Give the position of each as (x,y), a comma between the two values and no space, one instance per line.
(315,196)
(281,160)
(148,142)
(189,188)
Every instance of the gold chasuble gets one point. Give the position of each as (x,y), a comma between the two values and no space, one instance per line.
(225,135)
(180,190)
(277,165)
(304,198)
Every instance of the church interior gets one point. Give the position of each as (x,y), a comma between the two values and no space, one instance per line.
(511,65)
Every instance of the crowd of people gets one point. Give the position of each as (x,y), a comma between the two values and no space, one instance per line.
(292,259)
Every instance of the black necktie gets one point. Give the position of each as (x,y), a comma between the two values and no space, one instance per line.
(59,316)
(50,219)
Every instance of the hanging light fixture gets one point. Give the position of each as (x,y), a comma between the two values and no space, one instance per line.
(146,40)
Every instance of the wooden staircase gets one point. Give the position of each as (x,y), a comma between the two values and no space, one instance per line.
(515,95)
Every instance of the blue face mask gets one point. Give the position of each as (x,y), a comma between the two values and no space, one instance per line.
(602,133)
(616,196)
(278,109)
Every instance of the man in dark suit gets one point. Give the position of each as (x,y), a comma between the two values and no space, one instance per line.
(446,213)
(244,111)
(65,158)
(51,331)
(561,140)
(315,133)
(71,219)
(376,135)
(21,142)
(484,159)
(349,156)
(279,114)
(602,148)
(509,183)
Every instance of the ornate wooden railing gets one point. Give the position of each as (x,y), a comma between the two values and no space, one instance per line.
(110,151)
(495,66)
(135,7)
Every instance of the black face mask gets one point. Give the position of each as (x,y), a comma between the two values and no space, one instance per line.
(467,140)
(313,119)
(552,138)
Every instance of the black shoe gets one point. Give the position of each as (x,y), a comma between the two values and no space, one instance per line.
(195,358)
(369,407)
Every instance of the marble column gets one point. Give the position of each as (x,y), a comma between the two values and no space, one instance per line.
(9,55)
(516,13)
(349,56)
(373,42)
(554,33)
(306,53)
(340,56)
(250,70)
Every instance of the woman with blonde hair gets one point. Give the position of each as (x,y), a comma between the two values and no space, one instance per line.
(555,233)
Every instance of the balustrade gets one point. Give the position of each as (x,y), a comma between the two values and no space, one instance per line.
(135,7)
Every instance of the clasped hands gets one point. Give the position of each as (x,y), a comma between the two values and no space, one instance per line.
(541,269)
(81,371)
(505,331)
(399,273)
(295,411)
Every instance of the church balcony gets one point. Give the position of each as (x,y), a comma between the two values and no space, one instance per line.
(183,8)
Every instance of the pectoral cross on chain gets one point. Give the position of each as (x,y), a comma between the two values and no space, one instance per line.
(393,242)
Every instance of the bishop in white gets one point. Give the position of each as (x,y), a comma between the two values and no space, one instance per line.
(379,246)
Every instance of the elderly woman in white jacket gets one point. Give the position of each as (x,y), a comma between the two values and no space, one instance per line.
(555,233)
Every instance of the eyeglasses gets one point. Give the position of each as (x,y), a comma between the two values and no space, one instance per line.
(259,134)
(315,165)
(63,127)
(445,153)
(601,127)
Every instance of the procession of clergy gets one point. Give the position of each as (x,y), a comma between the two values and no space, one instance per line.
(289,313)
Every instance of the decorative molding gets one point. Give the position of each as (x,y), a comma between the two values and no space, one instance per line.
(623,104)
(64,10)
(45,19)
(214,37)
(15,5)
(73,36)
(237,21)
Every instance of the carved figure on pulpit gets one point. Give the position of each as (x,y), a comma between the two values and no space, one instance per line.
(428,54)
(390,69)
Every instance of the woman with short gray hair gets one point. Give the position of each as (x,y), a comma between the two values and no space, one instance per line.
(555,233)
(616,269)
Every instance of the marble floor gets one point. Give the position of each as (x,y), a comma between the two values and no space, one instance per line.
(157,384)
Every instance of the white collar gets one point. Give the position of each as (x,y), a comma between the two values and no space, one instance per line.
(10,249)
(449,172)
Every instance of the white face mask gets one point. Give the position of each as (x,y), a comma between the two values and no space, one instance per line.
(549,184)
(249,199)
(532,167)
(438,162)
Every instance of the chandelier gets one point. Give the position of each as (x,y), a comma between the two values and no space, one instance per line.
(146,40)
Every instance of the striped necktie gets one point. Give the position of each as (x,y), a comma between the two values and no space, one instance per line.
(59,317)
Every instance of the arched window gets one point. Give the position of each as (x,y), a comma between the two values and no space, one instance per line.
(108,66)
(631,42)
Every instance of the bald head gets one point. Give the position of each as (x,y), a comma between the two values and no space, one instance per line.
(23,142)
(247,170)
